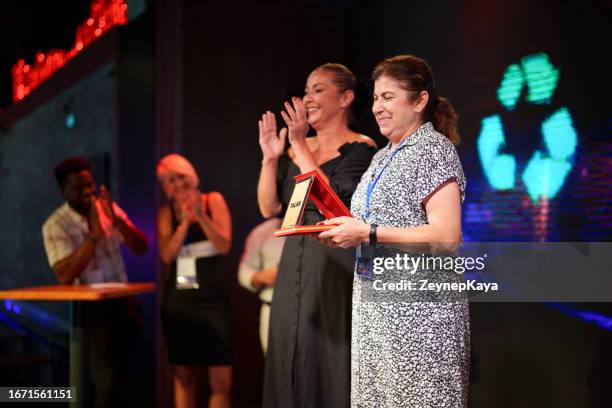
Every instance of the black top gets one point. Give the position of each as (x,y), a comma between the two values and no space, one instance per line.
(209,272)
(344,173)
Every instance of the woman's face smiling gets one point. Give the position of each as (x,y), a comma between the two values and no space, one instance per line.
(395,112)
(176,186)
(322,99)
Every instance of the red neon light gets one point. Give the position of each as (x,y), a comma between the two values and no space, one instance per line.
(103,15)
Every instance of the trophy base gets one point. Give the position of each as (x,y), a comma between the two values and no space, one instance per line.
(302,230)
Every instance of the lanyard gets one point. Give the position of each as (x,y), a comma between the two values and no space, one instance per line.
(373,183)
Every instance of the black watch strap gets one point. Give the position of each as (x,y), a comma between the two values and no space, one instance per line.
(373,237)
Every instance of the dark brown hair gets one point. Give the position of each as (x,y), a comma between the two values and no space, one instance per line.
(68,167)
(415,76)
(344,79)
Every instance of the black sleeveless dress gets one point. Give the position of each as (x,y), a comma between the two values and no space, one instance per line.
(308,358)
(196,321)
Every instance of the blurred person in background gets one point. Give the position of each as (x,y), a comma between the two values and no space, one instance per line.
(194,231)
(258,268)
(82,240)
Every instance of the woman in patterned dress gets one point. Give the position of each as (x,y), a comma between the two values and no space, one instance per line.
(407,353)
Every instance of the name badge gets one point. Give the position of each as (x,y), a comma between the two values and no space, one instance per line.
(186,277)
(186,272)
(364,262)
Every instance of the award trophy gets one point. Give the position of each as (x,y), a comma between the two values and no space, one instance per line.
(311,186)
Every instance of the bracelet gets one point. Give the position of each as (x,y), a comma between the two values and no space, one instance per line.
(373,237)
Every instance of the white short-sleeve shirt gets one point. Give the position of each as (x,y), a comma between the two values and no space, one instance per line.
(65,230)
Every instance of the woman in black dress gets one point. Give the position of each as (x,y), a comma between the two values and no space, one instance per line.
(194,230)
(307,364)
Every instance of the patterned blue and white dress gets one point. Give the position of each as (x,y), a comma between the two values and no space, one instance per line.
(409,353)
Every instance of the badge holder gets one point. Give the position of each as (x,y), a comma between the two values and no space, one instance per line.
(186,277)
(186,271)
(365,260)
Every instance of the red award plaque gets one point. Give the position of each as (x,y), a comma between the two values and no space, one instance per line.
(311,186)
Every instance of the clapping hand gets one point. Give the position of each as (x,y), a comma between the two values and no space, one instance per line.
(95,230)
(272,144)
(188,211)
(193,206)
(132,236)
(107,204)
(297,121)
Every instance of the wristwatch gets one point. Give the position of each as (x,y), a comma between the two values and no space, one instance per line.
(373,237)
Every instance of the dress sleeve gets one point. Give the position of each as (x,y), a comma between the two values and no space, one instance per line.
(346,176)
(440,164)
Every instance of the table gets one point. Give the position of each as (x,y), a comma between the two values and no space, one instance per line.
(78,296)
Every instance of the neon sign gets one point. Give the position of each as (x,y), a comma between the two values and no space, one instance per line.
(547,169)
(103,15)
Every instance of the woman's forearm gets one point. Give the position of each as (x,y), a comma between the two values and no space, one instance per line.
(222,242)
(306,161)
(168,251)
(267,195)
(422,234)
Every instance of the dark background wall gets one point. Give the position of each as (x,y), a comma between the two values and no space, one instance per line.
(137,186)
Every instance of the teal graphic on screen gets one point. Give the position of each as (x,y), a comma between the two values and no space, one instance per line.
(535,78)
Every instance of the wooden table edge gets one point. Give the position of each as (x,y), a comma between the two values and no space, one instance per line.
(69,292)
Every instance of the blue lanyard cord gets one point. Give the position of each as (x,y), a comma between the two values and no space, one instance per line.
(373,183)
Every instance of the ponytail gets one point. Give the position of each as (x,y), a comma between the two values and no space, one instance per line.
(444,118)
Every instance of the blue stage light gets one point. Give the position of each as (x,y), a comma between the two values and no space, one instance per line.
(70,120)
